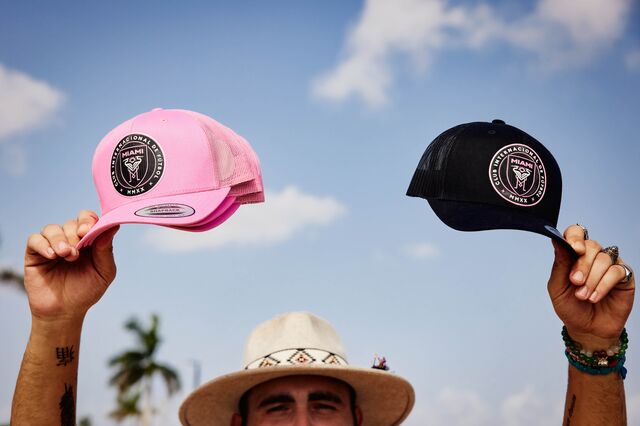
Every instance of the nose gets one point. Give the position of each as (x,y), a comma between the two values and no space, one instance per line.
(302,419)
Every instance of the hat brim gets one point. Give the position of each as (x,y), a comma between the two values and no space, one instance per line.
(213,221)
(202,203)
(466,216)
(384,398)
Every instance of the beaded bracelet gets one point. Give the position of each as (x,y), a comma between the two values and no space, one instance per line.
(601,358)
(619,367)
(597,362)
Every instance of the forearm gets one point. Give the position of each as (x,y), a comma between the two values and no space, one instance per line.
(45,392)
(594,400)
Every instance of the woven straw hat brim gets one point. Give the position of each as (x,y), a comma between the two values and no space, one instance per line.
(384,398)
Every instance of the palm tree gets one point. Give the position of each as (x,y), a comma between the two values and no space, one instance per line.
(127,406)
(135,370)
(11,277)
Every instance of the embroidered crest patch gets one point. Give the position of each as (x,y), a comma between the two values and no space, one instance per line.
(137,164)
(518,175)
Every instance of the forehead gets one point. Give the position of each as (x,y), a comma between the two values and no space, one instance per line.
(298,385)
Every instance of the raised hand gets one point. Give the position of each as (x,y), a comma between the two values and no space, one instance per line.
(590,294)
(62,282)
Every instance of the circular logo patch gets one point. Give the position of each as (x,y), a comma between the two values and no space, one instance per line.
(517,174)
(137,164)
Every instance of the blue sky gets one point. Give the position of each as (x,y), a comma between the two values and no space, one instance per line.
(339,99)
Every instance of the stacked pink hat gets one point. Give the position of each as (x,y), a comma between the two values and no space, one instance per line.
(174,168)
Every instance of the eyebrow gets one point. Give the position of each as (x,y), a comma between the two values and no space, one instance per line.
(325,396)
(276,399)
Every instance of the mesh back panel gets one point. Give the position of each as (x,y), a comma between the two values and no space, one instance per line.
(233,166)
(429,177)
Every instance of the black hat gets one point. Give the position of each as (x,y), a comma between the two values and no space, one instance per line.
(479,176)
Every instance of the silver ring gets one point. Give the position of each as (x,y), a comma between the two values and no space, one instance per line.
(628,273)
(613,253)
(584,230)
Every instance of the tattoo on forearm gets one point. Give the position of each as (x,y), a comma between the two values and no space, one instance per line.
(64,356)
(570,412)
(67,407)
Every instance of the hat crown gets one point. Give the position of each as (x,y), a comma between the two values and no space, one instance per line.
(293,330)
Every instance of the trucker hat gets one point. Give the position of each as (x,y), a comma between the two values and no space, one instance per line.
(247,192)
(168,167)
(479,176)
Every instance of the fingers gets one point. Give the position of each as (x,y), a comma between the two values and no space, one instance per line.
(611,278)
(38,247)
(582,267)
(86,220)
(598,268)
(59,242)
(575,235)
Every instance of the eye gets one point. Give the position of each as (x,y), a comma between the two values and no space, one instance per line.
(324,407)
(277,408)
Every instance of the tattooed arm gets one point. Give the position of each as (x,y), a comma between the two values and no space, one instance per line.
(594,400)
(590,298)
(62,284)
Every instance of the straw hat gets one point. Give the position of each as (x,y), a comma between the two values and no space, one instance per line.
(299,343)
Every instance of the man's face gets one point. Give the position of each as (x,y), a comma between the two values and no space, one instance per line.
(300,401)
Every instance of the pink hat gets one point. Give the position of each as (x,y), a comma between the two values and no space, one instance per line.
(247,192)
(172,168)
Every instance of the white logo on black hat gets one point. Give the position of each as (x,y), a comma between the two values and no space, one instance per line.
(518,175)
(137,164)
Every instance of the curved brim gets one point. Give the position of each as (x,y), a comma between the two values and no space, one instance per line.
(217,219)
(384,398)
(196,206)
(465,216)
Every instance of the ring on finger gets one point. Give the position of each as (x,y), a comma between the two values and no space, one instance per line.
(585,231)
(613,253)
(628,273)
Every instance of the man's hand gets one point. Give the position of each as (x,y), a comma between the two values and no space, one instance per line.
(61,282)
(588,294)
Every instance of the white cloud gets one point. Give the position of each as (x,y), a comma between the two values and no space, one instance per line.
(463,407)
(283,215)
(632,60)
(476,411)
(557,33)
(26,103)
(527,408)
(421,250)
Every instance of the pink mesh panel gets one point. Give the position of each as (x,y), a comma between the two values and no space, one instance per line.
(222,144)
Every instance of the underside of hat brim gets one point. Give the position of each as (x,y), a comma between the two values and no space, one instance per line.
(467,216)
(384,398)
(202,203)
(214,220)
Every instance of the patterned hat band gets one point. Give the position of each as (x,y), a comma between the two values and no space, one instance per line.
(297,356)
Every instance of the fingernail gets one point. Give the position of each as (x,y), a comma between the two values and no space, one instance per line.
(62,245)
(50,251)
(578,276)
(594,296)
(583,292)
(74,251)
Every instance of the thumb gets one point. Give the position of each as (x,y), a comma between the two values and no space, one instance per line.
(102,253)
(562,264)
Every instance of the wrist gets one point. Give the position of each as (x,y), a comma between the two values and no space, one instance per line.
(593,342)
(60,325)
